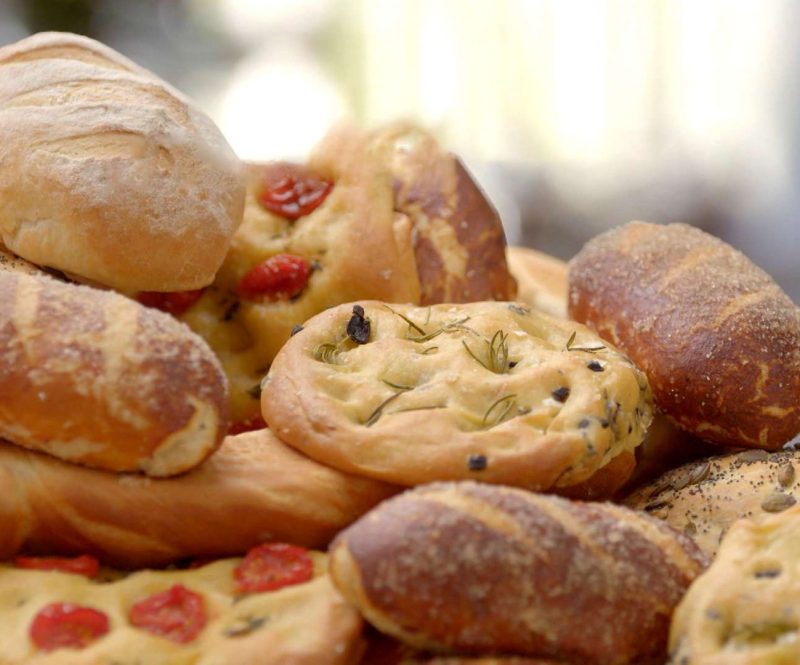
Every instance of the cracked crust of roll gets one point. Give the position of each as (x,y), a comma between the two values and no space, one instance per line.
(485,569)
(717,337)
(742,610)
(94,378)
(459,242)
(142,191)
(410,412)
(541,280)
(253,489)
(301,624)
(704,498)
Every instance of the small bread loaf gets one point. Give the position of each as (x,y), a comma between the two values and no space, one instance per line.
(541,280)
(487,569)
(92,377)
(716,336)
(459,242)
(251,490)
(109,174)
(703,498)
(486,391)
(744,609)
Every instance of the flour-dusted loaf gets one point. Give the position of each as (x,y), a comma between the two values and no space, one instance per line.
(92,377)
(484,569)
(107,173)
(489,391)
(253,489)
(704,498)
(717,337)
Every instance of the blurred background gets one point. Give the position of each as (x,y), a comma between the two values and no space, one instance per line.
(575,115)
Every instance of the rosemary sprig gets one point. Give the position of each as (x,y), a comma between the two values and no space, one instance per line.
(397,386)
(326,352)
(497,357)
(589,349)
(378,412)
(410,323)
(503,406)
(429,350)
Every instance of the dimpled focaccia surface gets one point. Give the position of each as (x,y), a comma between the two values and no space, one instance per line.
(303,624)
(487,391)
(744,610)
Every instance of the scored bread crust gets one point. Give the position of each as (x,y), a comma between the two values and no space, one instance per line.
(742,610)
(704,498)
(717,337)
(301,624)
(486,569)
(253,489)
(410,412)
(109,174)
(92,377)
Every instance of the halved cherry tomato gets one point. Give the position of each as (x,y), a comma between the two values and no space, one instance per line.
(272,566)
(172,302)
(280,277)
(80,565)
(66,625)
(176,614)
(292,191)
(249,425)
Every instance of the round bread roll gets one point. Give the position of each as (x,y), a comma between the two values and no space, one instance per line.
(703,498)
(541,280)
(716,336)
(481,569)
(487,391)
(107,173)
(92,377)
(744,610)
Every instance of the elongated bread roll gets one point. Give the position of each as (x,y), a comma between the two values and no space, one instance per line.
(487,569)
(92,377)
(717,337)
(253,489)
(108,173)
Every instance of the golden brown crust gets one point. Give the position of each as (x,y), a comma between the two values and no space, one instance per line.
(427,399)
(302,624)
(541,280)
(253,489)
(142,191)
(716,336)
(94,378)
(704,498)
(743,609)
(485,569)
(459,242)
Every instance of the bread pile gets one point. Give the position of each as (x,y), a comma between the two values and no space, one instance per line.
(339,363)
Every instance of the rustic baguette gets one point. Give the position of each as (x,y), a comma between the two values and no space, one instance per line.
(108,173)
(488,569)
(253,489)
(92,377)
(716,336)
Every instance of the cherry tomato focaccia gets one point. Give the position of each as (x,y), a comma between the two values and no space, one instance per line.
(274,606)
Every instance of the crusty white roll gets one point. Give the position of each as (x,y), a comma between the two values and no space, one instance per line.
(92,377)
(541,280)
(253,489)
(107,172)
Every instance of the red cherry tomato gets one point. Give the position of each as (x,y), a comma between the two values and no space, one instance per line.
(280,277)
(291,191)
(175,303)
(176,614)
(272,566)
(80,565)
(249,425)
(61,625)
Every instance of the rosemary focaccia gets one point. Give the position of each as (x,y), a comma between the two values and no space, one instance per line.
(275,606)
(745,609)
(489,391)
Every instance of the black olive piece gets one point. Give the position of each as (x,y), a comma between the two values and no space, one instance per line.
(230,311)
(358,327)
(512,364)
(477,462)
(583,424)
(295,329)
(560,394)
(595,366)
(771,572)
